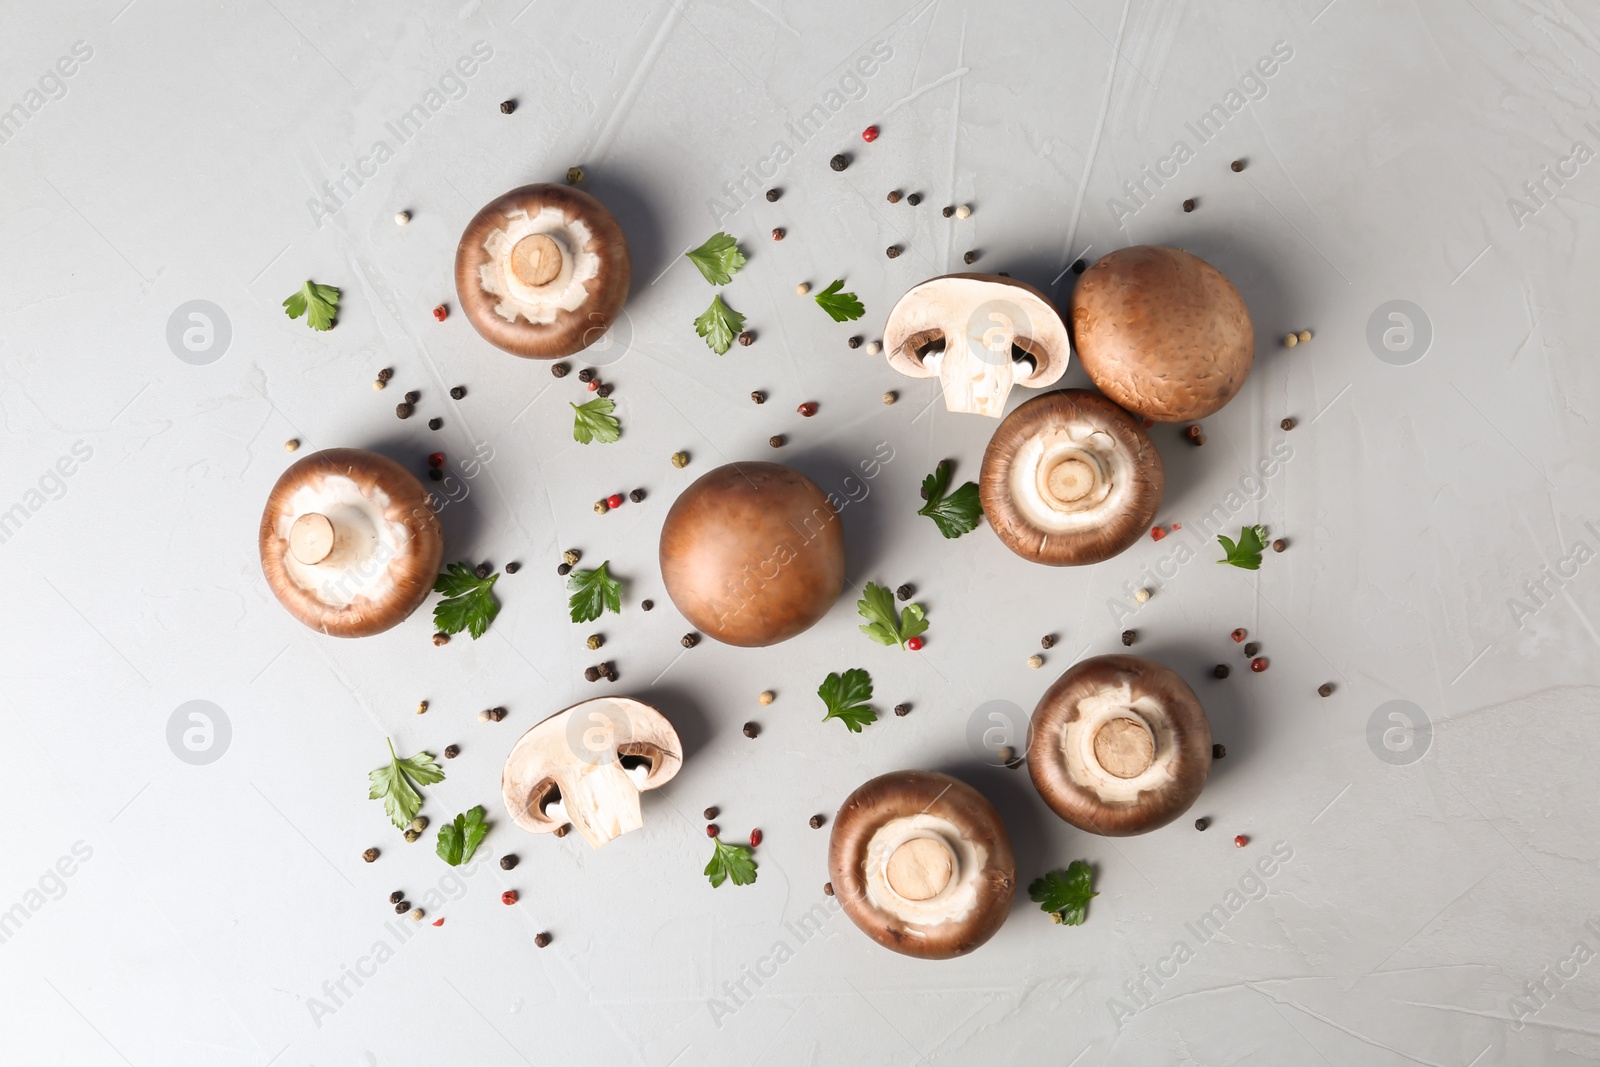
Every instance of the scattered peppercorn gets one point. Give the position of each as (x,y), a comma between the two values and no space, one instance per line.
(591,674)
(751,730)
(541,939)
(1237,165)
(808,409)
(402,411)
(1251,648)
(594,386)
(1325,689)
(746,338)
(370,855)
(1240,841)
(457,392)
(1128,636)
(915,644)
(420,823)
(614,500)
(827,887)
(291,445)
(648,604)
(595,641)
(1035,661)
(1286,424)
(776,440)
(680,459)
(1079,266)
(963,211)
(435,423)
(711,813)
(385,374)
(1258,664)
(601,507)
(1290,340)
(574,175)
(905,592)
(755,838)
(436,459)
(889,398)
(397,896)
(572,556)
(816,822)
(563,568)
(802,289)
(605,389)
(513,567)
(560,370)
(413,396)
(422,707)
(839,162)
(853,342)
(690,640)
(1305,336)
(1157,533)
(1198,439)
(1193,430)
(509,897)
(1221,670)
(587,374)
(483,716)
(1279,545)
(777,233)
(1188,205)
(970,257)
(1201,823)
(758,397)
(507,862)
(483,570)
(440,313)
(1218,751)
(713,830)
(869,134)
(893,251)
(894,196)
(1141,596)
(402,906)
(507,106)
(914,199)
(902,710)
(411,835)
(1239,635)
(452,751)
(772,195)
(873,348)
(608,671)
(435,474)
(636,495)
(947,210)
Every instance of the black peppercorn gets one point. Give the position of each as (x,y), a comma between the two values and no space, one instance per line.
(402,906)
(483,570)
(1251,649)
(1221,670)
(690,640)
(441,639)
(507,106)
(397,896)
(948,210)
(816,822)
(902,710)
(746,338)
(712,812)
(507,862)
(496,714)
(403,411)
(1286,424)
(854,342)
(758,397)
(1279,545)
(605,389)
(591,674)
(1188,205)
(648,604)
(772,195)
(413,396)
(1048,641)
(452,751)
(542,939)
(914,199)
(827,887)
(893,251)
(586,375)
(751,729)
(1201,823)
(1237,165)
(513,567)
(435,423)
(839,162)
(905,591)
(563,568)
(1218,751)
(776,440)
(436,474)
(894,196)
(1128,636)
(608,671)
(636,496)
(560,370)
(1079,266)
(970,257)
(457,392)
(1325,689)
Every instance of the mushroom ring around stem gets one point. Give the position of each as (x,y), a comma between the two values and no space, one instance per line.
(586,765)
(980,334)
(921,862)
(542,271)
(1119,745)
(350,542)
(1070,478)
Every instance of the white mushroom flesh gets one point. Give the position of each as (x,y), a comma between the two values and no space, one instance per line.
(520,256)
(1112,708)
(922,870)
(1070,478)
(364,541)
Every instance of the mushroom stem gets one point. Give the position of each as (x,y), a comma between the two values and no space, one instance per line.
(921,868)
(311,538)
(602,801)
(1069,480)
(537,259)
(1124,747)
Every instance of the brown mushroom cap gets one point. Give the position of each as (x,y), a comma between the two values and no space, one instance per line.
(1119,746)
(753,553)
(922,864)
(964,329)
(350,542)
(542,271)
(1070,478)
(1162,332)
(592,759)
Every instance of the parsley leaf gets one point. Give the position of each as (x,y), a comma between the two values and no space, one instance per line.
(883,625)
(719,259)
(730,862)
(592,593)
(1246,552)
(955,514)
(594,421)
(459,839)
(841,307)
(469,605)
(846,698)
(318,303)
(1065,894)
(719,325)
(393,784)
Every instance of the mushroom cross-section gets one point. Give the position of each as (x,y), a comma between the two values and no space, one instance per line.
(350,542)
(586,766)
(753,553)
(972,331)
(1119,745)
(542,271)
(1070,478)
(1162,332)
(922,864)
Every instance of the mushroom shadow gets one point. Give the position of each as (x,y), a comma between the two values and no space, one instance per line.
(623,194)
(683,712)
(455,496)
(865,533)
(1021,809)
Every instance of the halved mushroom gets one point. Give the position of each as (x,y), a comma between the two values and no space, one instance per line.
(350,542)
(922,864)
(1070,478)
(542,271)
(1162,332)
(587,764)
(972,330)
(753,553)
(1119,746)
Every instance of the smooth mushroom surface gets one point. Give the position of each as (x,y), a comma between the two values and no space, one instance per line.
(587,764)
(542,271)
(1162,332)
(922,863)
(1119,745)
(350,542)
(753,553)
(979,334)
(1070,478)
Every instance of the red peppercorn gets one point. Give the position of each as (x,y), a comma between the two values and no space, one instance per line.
(1177,526)
(711,830)
(1238,635)
(915,644)
(755,838)
(614,500)
(594,384)
(508,897)
(1157,533)
(777,233)
(438,922)
(436,459)
(1258,664)
(869,134)
(1240,841)
(808,409)
(441,312)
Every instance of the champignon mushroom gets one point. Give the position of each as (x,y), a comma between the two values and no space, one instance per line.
(1162,332)
(753,553)
(542,271)
(350,542)
(971,330)
(587,764)
(1070,478)
(922,864)
(1119,746)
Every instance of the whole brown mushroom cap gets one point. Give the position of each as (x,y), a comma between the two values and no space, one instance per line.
(753,553)
(318,559)
(1035,475)
(978,874)
(538,259)
(1162,332)
(1112,769)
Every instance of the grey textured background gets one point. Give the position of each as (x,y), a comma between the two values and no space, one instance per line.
(208,904)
